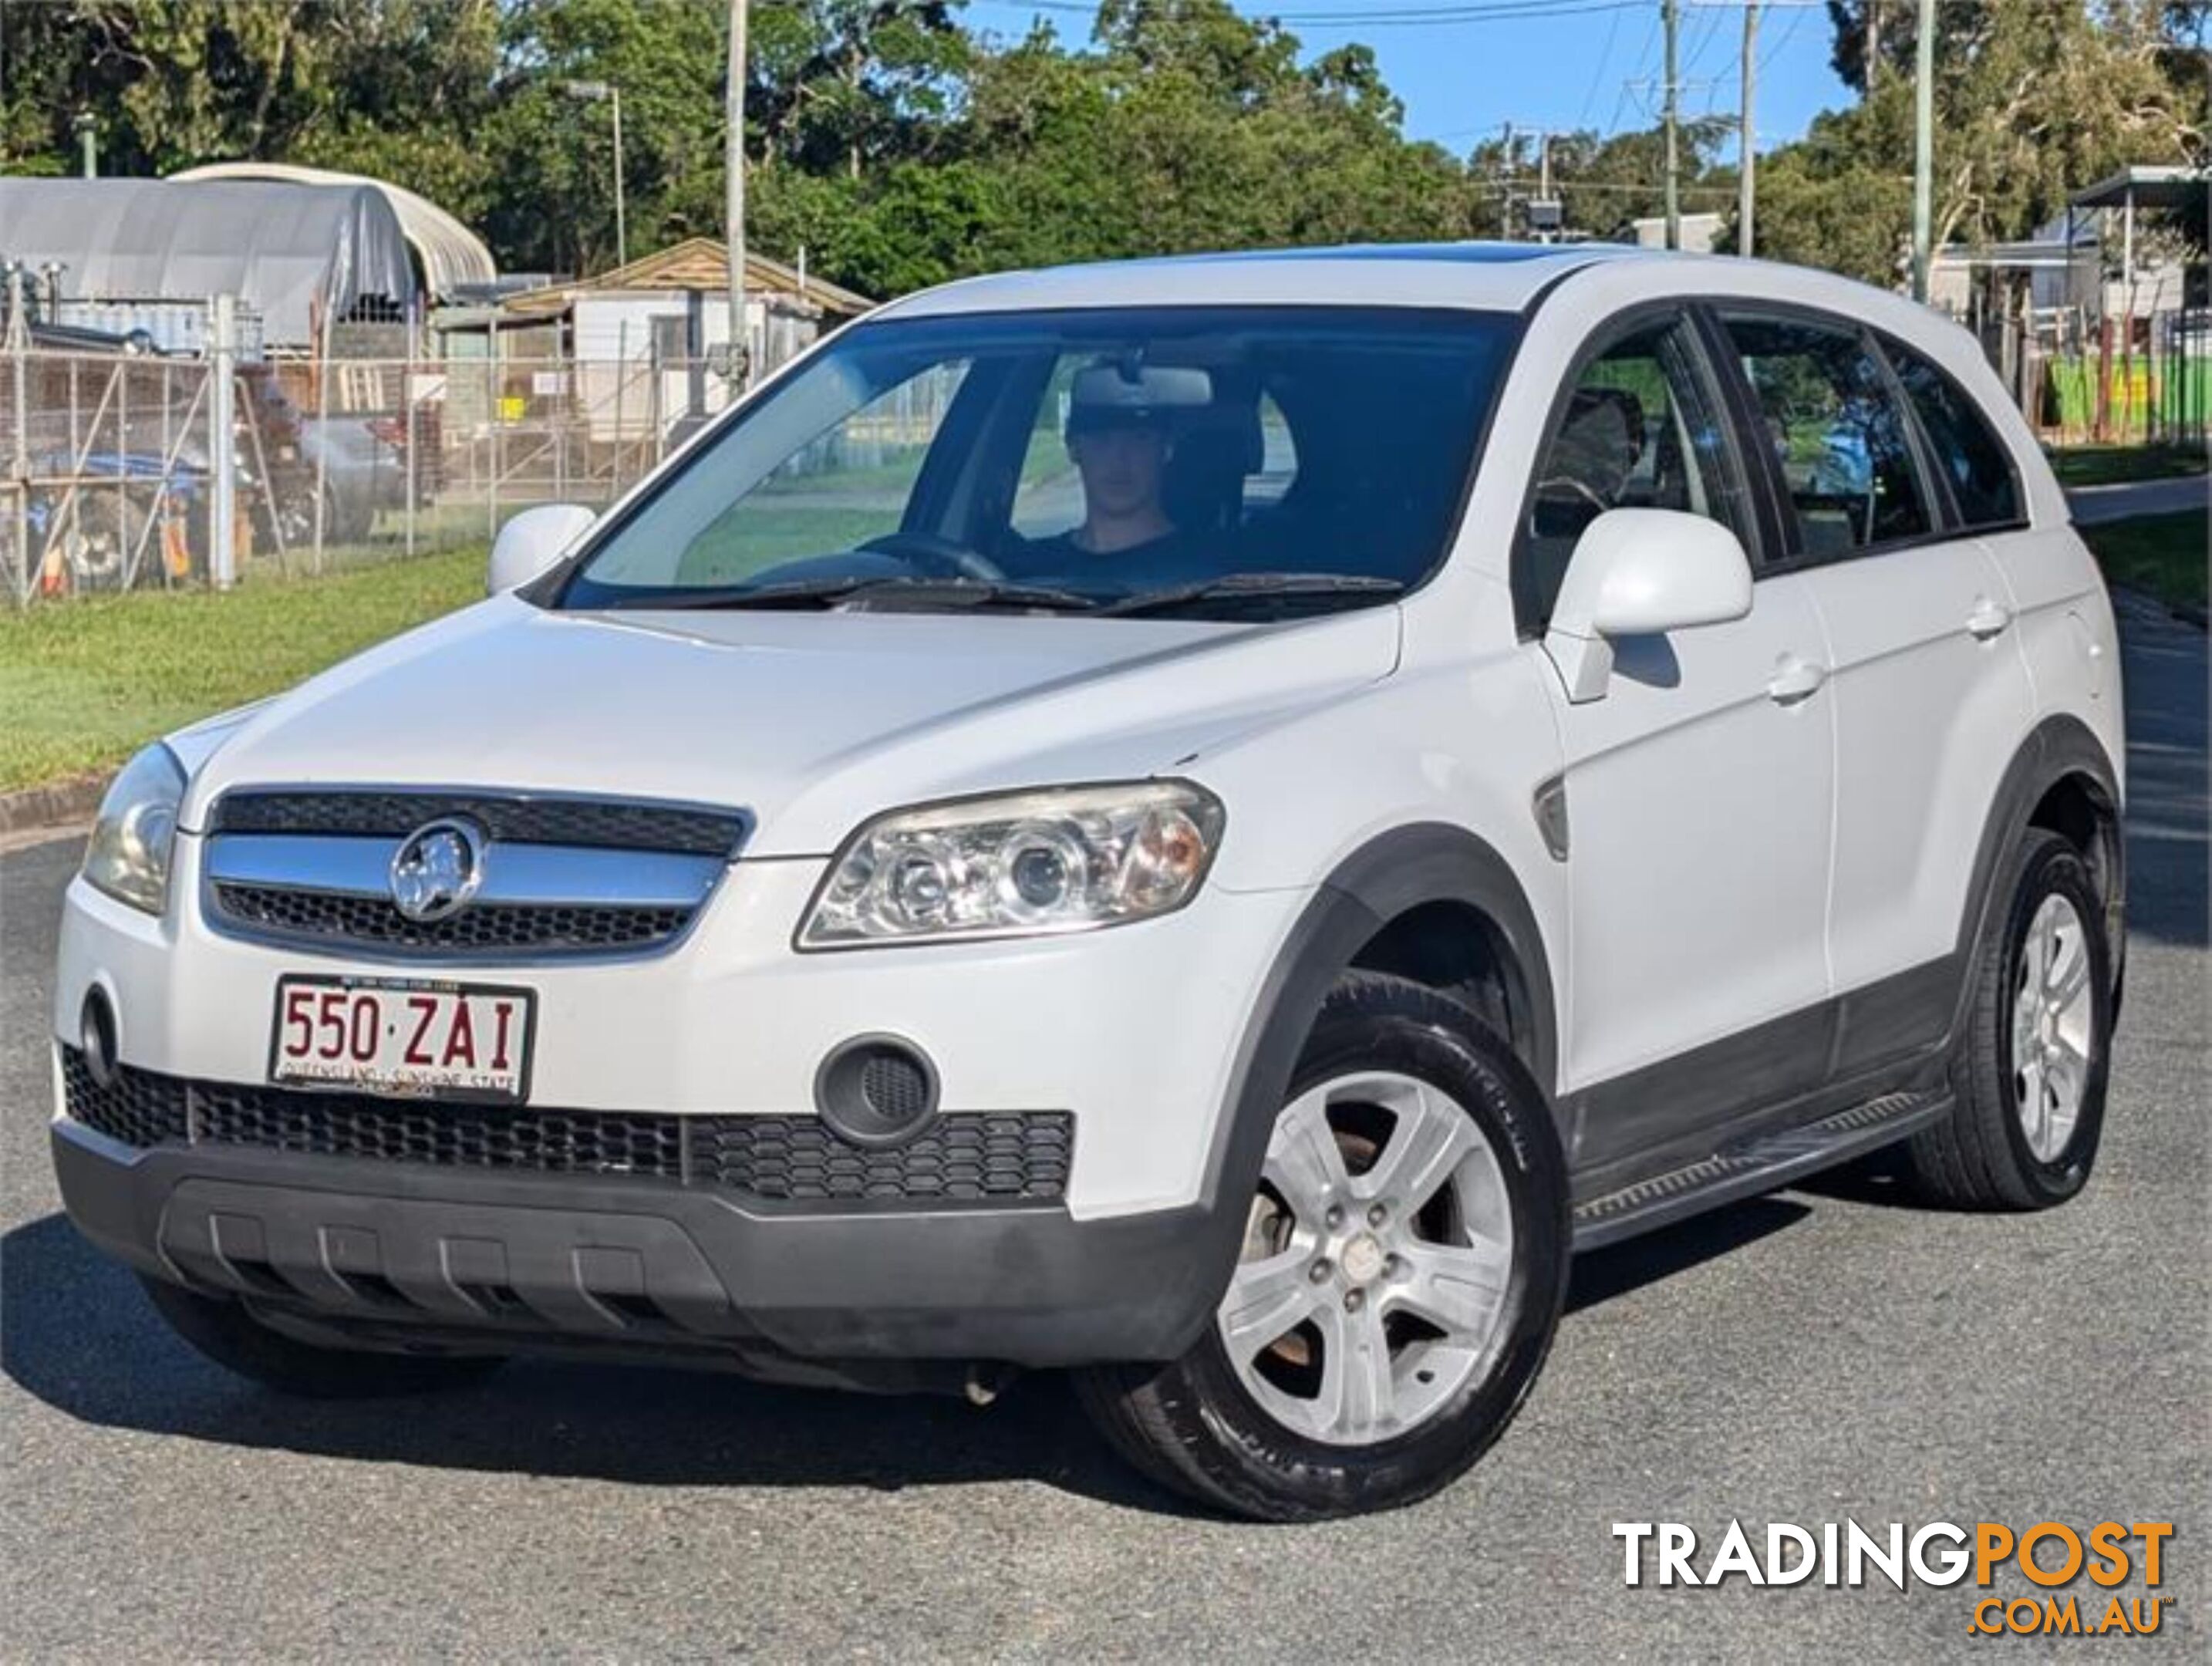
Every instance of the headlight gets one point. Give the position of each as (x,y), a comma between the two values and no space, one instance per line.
(1028,864)
(131,838)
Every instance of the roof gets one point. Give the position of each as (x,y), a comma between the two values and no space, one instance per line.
(2150,188)
(697,263)
(1500,277)
(283,249)
(448,253)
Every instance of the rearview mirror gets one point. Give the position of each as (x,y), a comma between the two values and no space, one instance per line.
(531,542)
(1642,572)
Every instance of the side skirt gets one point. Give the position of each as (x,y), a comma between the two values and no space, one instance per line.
(1758,1164)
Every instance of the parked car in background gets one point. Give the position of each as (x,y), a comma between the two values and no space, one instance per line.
(1209,821)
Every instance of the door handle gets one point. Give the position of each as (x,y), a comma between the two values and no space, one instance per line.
(1988,619)
(1795,679)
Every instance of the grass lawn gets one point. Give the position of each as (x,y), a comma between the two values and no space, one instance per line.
(85,684)
(2164,555)
(2106,465)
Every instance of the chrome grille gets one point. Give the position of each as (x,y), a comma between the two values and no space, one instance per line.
(558,877)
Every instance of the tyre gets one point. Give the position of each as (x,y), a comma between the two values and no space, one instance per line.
(1404,1262)
(2028,1085)
(226,1333)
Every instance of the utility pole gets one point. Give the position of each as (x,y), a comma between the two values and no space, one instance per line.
(1510,158)
(1873,49)
(1671,16)
(734,202)
(1747,133)
(622,222)
(1924,144)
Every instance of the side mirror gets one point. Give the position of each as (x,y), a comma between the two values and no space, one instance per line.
(1642,572)
(531,542)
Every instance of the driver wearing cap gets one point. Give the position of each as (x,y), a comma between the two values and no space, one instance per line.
(1117,433)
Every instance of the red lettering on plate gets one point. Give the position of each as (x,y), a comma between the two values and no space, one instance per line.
(368,1019)
(424,1009)
(299,1009)
(506,1011)
(331,1021)
(461,1039)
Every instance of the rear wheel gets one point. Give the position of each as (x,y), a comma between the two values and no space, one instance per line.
(1404,1260)
(2029,1085)
(226,1333)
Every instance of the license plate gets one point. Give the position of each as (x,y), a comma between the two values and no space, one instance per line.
(403,1036)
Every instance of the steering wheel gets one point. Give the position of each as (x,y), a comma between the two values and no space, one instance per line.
(939,556)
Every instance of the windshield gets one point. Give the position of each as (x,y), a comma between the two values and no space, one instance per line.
(1203,461)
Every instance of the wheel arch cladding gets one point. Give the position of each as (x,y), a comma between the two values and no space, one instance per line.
(2060,779)
(1432,874)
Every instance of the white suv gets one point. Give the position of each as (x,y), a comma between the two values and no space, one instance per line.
(1210,820)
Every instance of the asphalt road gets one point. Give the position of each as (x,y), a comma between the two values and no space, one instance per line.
(1804,1357)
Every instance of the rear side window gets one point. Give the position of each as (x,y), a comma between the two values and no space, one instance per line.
(1839,434)
(1971,457)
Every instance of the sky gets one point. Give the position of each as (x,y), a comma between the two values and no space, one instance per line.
(1467,67)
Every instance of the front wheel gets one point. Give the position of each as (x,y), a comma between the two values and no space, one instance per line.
(1404,1262)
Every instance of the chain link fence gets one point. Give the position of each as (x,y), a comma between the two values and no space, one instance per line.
(110,463)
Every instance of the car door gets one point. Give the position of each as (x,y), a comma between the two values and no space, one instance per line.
(1929,688)
(1697,788)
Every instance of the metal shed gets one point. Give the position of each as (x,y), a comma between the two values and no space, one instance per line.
(297,254)
(449,256)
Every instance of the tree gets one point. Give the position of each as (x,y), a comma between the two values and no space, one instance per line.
(2033,98)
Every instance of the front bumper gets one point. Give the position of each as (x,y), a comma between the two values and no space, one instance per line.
(391,1254)
(1132,1034)
(1133,1030)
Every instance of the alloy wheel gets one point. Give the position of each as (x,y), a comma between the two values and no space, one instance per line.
(2053,1027)
(1377,1262)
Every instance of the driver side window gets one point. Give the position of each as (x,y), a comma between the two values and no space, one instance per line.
(1641,428)
(849,484)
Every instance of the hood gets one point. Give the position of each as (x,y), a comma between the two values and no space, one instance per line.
(813,722)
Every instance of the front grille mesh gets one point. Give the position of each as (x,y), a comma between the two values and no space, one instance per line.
(482,928)
(457,1136)
(1003,1157)
(605,823)
(138,1108)
(962,1157)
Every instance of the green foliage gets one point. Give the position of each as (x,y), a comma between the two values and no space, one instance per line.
(2033,98)
(899,149)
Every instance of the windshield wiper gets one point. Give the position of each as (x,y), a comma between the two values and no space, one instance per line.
(947,591)
(1244,586)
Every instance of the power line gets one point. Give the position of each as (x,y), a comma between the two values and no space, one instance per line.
(1628,82)
(1597,76)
